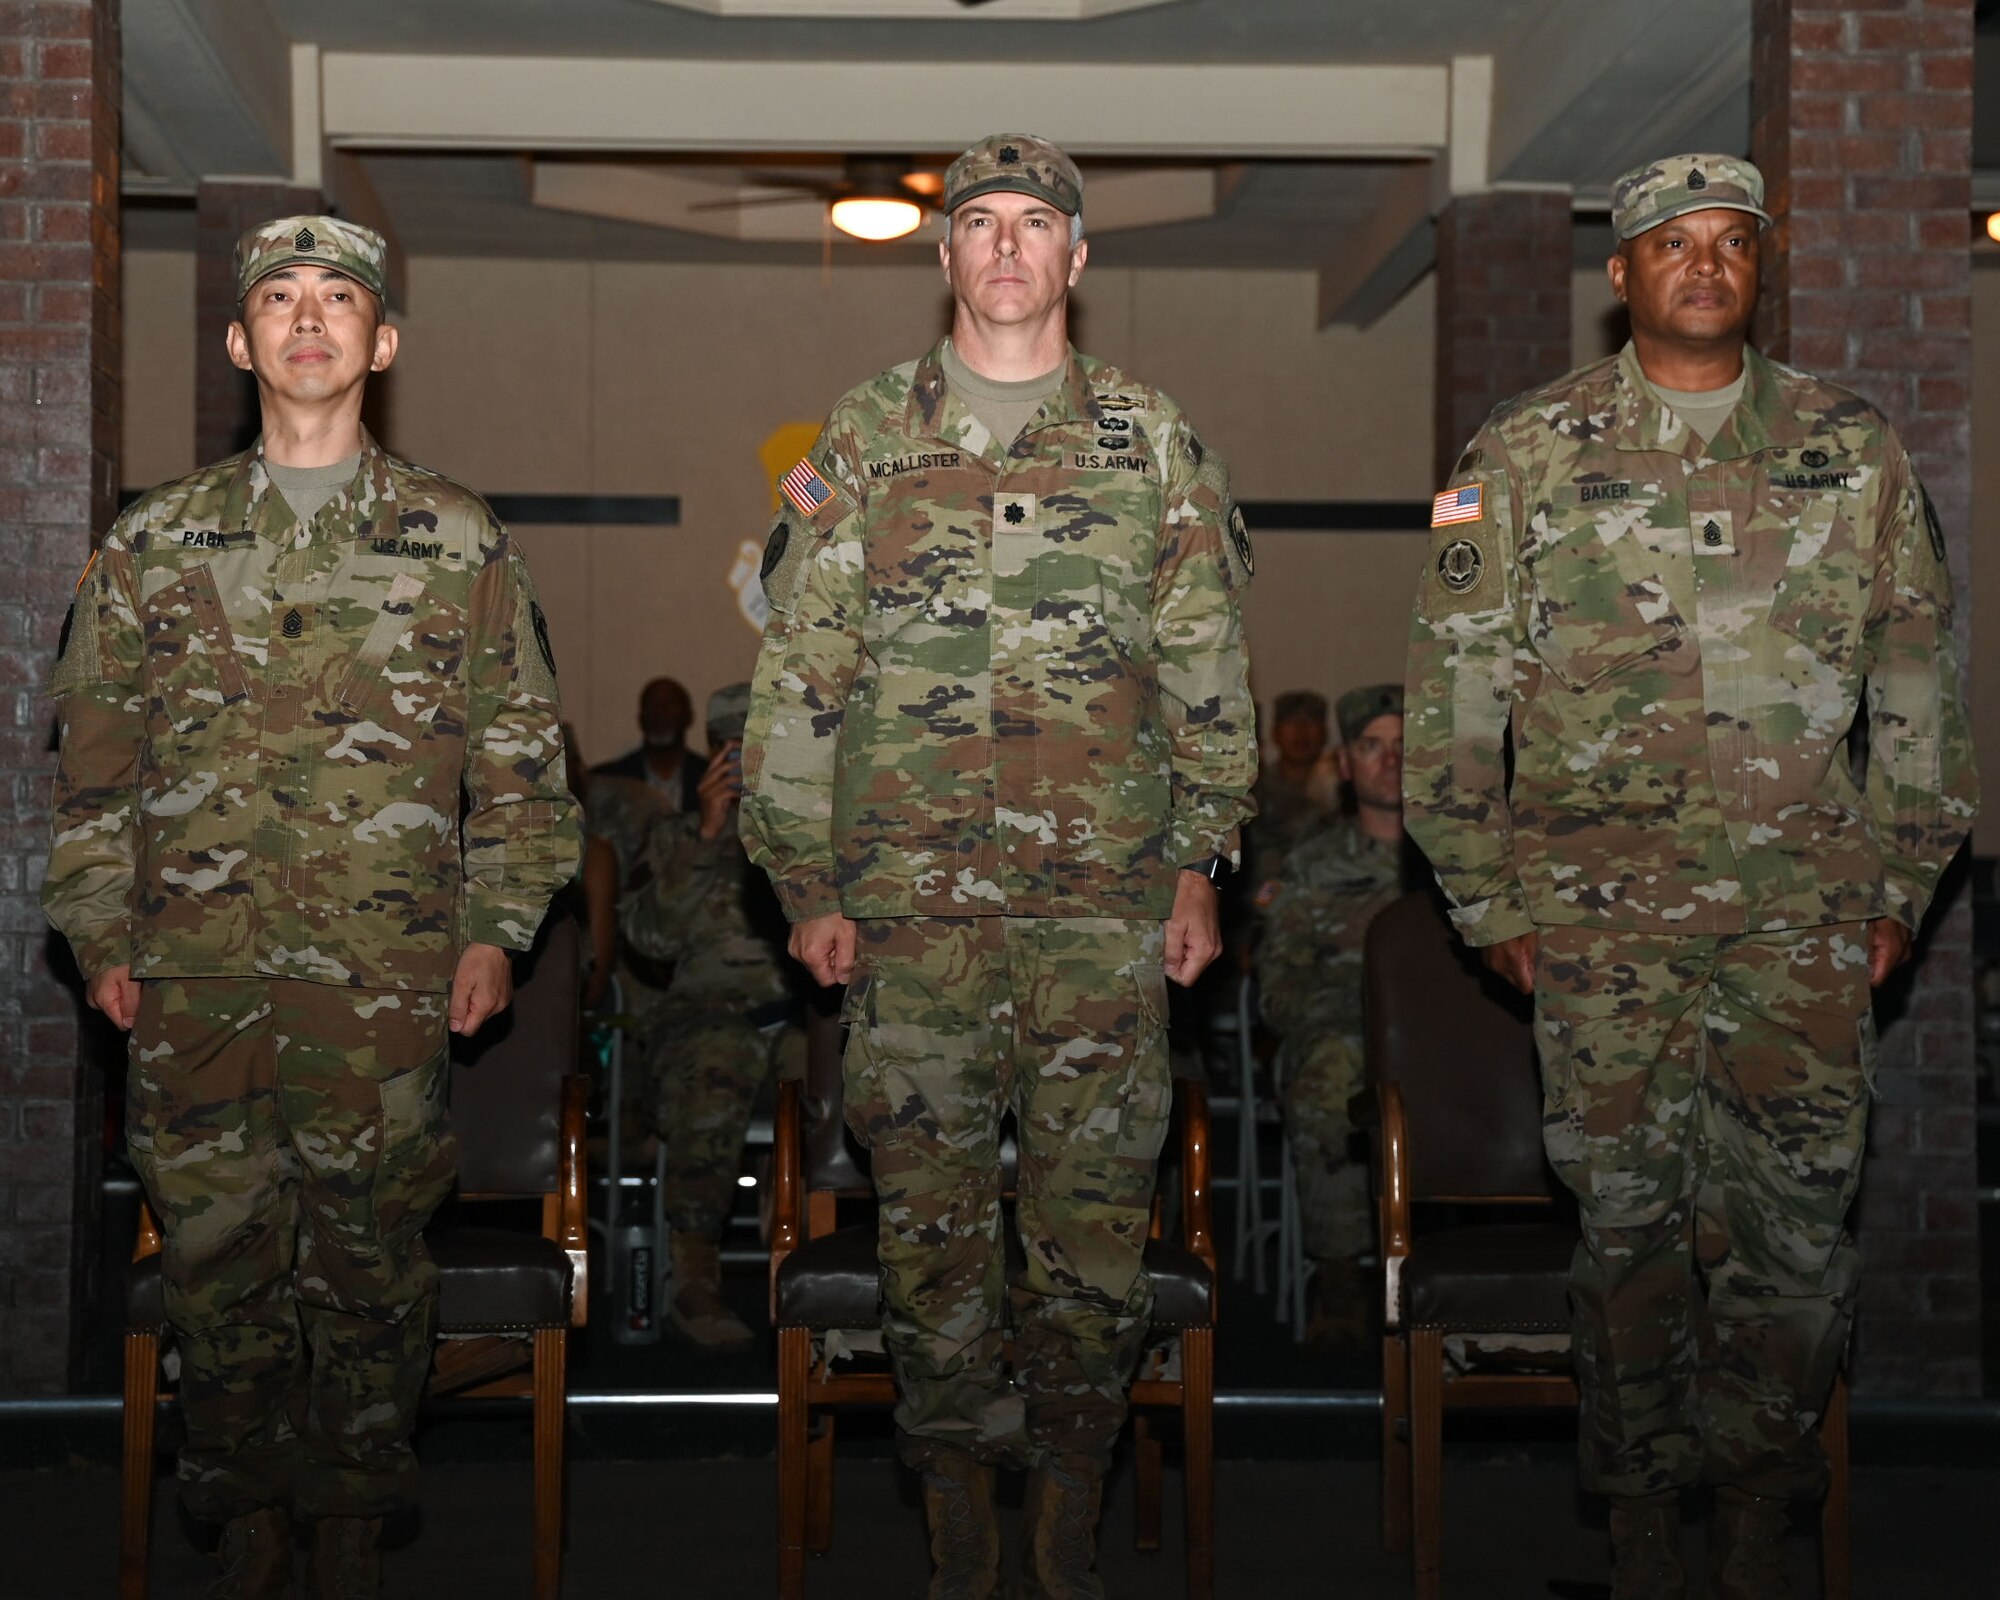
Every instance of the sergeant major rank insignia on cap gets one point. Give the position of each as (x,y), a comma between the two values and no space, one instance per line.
(305,240)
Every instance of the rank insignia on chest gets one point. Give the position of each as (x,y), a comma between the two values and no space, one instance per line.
(1466,504)
(805,488)
(1014,513)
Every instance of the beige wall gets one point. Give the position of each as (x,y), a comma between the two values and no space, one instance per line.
(158,309)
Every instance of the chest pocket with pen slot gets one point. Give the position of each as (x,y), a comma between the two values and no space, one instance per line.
(397,617)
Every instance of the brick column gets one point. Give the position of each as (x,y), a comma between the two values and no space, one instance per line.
(1503,275)
(225,399)
(59,376)
(1863,126)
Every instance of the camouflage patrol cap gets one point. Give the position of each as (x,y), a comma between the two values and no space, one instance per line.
(1359,707)
(361,253)
(728,711)
(1647,196)
(1015,163)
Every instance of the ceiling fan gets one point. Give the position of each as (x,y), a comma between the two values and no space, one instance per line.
(875,197)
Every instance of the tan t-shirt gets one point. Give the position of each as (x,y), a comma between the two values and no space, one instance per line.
(1704,410)
(308,489)
(1005,408)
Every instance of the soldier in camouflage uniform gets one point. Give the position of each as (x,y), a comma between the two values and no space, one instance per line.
(1297,793)
(1309,992)
(1000,747)
(1681,573)
(279,677)
(695,903)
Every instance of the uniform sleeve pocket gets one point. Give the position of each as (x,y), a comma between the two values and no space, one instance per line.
(190,648)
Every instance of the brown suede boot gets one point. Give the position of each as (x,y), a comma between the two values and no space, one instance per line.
(965,1537)
(346,1559)
(1060,1530)
(255,1556)
(698,1313)
(1746,1547)
(1646,1547)
(1337,1317)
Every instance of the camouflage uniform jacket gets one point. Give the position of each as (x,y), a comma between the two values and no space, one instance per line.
(266,729)
(1001,681)
(1309,960)
(1682,634)
(699,905)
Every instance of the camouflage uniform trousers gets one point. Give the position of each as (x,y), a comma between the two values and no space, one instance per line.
(292,1138)
(1706,1100)
(1322,1075)
(953,1022)
(711,1066)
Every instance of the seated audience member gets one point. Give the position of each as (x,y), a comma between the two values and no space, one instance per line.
(1309,990)
(1297,793)
(622,799)
(694,902)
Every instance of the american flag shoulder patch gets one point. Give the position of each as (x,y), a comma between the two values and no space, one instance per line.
(805,488)
(1457,505)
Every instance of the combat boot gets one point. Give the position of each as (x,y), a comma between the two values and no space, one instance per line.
(255,1556)
(1061,1530)
(965,1538)
(1341,1293)
(698,1313)
(1646,1547)
(346,1559)
(1746,1547)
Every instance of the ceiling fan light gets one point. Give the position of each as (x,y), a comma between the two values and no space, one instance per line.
(876,218)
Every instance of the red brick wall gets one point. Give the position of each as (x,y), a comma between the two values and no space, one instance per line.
(225,399)
(1503,314)
(1863,127)
(59,376)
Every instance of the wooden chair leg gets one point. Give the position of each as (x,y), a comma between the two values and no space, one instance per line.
(1198,1427)
(1146,1463)
(794,1370)
(1426,1383)
(551,1412)
(1395,1445)
(1836,1576)
(142,1392)
(819,1480)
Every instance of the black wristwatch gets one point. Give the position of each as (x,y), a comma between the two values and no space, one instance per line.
(1216,869)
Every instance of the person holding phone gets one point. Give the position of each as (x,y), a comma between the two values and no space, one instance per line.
(694,901)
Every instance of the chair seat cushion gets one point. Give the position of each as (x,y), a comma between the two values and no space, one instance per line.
(1511,1276)
(831,1282)
(490,1280)
(1183,1286)
(145,1307)
(493,1280)
(834,1282)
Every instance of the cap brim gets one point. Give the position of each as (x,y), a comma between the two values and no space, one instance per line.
(265,269)
(1014,186)
(1698,205)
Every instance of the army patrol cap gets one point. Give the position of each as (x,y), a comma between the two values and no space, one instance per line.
(1359,707)
(361,253)
(1650,195)
(728,711)
(1015,163)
